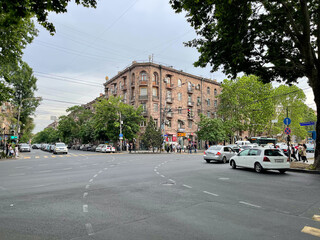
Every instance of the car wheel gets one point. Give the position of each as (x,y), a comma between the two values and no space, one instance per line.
(224,160)
(258,168)
(233,164)
(208,161)
(282,171)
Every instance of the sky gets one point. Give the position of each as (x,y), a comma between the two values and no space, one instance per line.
(90,44)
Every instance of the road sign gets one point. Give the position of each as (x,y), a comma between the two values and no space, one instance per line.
(181,134)
(121,135)
(120,138)
(287,130)
(287,121)
(306,123)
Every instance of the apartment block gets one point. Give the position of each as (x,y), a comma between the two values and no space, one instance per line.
(175,99)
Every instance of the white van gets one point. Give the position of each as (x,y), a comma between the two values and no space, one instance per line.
(240,143)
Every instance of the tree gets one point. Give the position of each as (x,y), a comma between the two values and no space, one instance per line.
(275,40)
(15,11)
(211,129)
(246,104)
(48,135)
(152,137)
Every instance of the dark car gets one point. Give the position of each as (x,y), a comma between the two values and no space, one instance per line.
(93,148)
(86,147)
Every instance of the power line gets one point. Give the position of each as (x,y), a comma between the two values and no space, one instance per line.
(54,100)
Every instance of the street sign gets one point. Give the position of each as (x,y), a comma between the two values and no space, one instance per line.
(181,134)
(287,121)
(287,130)
(121,135)
(306,123)
(120,138)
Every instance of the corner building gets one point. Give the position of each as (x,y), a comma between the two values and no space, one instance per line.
(173,98)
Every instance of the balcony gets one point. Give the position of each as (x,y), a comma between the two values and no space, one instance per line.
(124,87)
(143,97)
(190,104)
(145,112)
(190,90)
(169,85)
(114,91)
(155,83)
(143,82)
(155,98)
(133,83)
(169,100)
(169,115)
(191,117)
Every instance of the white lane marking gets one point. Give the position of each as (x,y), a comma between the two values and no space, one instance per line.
(210,193)
(250,204)
(105,168)
(155,170)
(89,229)
(95,164)
(95,175)
(21,167)
(85,194)
(17,174)
(172,180)
(85,208)
(187,186)
(43,164)
(157,173)
(87,186)
(46,171)
(37,157)
(11,205)
(100,172)
(162,176)
(65,169)
(36,186)
(224,178)
(91,180)
(45,156)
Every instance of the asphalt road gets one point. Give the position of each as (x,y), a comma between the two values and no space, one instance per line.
(86,195)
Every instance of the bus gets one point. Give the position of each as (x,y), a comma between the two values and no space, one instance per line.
(263,140)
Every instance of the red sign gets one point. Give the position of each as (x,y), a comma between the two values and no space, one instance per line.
(174,139)
(287,131)
(191,134)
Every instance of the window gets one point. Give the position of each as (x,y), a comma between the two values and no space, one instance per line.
(189,98)
(169,123)
(244,152)
(198,100)
(179,110)
(189,124)
(144,107)
(179,96)
(199,112)
(208,102)
(208,114)
(215,92)
(143,91)
(143,76)
(169,95)
(132,78)
(168,79)
(179,83)
(155,107)
(155,92)
(156,122)
(215,103)
(189,86)
(125,96)
(155,77)
(143,123)
(254,152)
(208,90)
(180,124)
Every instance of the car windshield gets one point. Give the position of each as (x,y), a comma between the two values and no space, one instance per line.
(217,148)
(60,145)
(101,145)
(24,145)
(272,152)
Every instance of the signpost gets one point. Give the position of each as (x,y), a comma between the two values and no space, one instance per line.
(287,130)
(287,121)
(306,123)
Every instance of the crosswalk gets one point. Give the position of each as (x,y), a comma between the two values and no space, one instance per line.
(61,156)
(312,230)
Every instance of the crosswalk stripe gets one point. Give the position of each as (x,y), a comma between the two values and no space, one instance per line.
(53,156)
(45,156)
(311,230)
(37,156)
(27,157)
(316,218)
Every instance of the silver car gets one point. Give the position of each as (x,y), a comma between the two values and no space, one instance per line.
(25,147)
(218,153)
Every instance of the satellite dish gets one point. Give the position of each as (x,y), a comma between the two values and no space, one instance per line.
(107,78)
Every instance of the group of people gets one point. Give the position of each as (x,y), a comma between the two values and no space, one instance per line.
(301,151)
(12,150)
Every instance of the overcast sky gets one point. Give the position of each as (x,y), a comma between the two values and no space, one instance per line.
(91,44)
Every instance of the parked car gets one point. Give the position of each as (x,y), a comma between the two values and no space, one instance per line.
(24,147)
(99,147)
(261,159)
(86,147)
(93,148)
(218,153)
(310,148)
(108,149)
(81,147)
(60,148)
(51,147)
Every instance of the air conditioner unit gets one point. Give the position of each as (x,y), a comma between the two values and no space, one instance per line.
(192,85)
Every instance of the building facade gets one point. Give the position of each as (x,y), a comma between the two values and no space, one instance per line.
(173,98)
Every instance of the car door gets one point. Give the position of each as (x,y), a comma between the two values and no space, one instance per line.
(252,157)
(241,158)
(226,152)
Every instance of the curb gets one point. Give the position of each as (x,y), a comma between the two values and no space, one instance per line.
(303,171)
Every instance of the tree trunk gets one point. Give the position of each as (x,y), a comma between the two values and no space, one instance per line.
(317,144)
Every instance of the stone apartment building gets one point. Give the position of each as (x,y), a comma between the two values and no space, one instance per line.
(6,116)
(175,99)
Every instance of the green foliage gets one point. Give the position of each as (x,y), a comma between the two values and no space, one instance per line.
(48,135)
(15,11)
(211,129)
(152,136)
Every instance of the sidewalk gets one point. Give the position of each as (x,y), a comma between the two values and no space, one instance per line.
(303,167)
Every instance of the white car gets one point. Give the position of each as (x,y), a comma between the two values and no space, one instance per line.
(99,148)
(108,149)
(25,147)
(60,148)
(261,159)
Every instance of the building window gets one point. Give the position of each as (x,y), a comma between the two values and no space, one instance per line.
(189,124)
(189,98)
(143,76)
(198,87)
(179,96)
(189,86)
(215,92)
(215,103)
(155,92)
(168,79)
(199,112)
(198,101)
(143,91)
(169,95)
(208,102)
(144,107)
(168,123)
(155,77)
(179,83)
(208,114)
(208,90)
(143,123)
(179,110)
(155,107)
(156,122)
(180,124)
(132,79)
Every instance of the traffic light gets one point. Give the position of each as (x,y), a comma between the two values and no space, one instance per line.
(189,112)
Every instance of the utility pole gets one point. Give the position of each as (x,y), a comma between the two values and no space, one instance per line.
(120,135)
(288,139)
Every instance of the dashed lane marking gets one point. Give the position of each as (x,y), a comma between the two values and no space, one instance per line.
(26,157)
(311,230)
(53,156)
(162,176)
(224,178)
(37,157)
(91,180)
(210,193)
(85,208)
(250,204)
(96,175)
(87,186)
(46,171)
(65,169)
(187,186)
(17,175)
(45,156)
(85,195)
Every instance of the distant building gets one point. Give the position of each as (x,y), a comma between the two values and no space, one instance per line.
(173,98)
(53,125)
(6,116)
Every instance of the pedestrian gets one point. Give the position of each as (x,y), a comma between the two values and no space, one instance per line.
(174,148)
(130,147)
(195,148)
(11,152)
(300,150)
(16,150)
(304,153)
(189,148)
(293,153)
(206,145)
(171,147)
(7,149)
(178,148)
